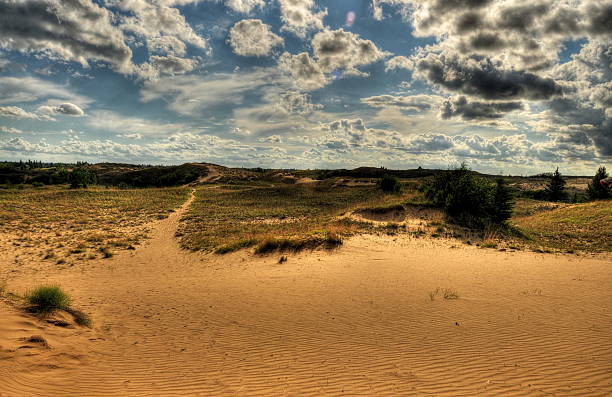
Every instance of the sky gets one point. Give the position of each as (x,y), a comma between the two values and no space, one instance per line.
(508,86)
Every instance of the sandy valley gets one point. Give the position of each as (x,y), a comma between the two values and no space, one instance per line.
(362,320)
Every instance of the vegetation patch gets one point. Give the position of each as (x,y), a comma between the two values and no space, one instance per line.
(220,215)
(235,246)
(329,241)
(47,299)
(582,227)
(469,200)
(58,222)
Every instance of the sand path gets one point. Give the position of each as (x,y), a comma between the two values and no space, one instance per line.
(356,322)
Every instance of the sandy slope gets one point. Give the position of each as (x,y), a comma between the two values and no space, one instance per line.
(355,322)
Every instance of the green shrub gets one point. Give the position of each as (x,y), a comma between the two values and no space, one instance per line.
(468,199)
(48,298)
(80,177)
(390,184)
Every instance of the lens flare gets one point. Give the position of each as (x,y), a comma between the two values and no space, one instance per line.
(350,18)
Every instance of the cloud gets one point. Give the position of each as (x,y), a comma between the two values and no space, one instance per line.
(399,62)
(244,6)
(252,37)
(131,136)
(293,102)
(131,126)
(299,18)
(475,110)
(271,139)
(70,30)
(482,78)
(66,108)
(341,50)
(31,89)
(165,65)
(192,95)
(15,112)
(304,71)
(416,103)
(10,130)
(161,25)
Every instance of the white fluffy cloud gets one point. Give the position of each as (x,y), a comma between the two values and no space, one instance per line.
(342,50)
(161,25)
(299,17)
(244,6)
(252,37)
(68,109)
(335,53)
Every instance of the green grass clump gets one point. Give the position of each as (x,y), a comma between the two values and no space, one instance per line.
(47,299)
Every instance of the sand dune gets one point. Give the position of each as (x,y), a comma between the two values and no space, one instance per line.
(358,321)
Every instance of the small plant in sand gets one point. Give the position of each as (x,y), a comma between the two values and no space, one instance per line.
(446,293)
(48,298)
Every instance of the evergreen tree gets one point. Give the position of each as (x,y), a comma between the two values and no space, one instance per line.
(596,190)
(555,190)
(502,202)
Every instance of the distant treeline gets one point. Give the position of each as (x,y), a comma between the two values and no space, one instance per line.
(83,174)
(373,172)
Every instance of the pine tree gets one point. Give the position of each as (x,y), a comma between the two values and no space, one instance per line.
(502,202)
(555,189)
(596,190)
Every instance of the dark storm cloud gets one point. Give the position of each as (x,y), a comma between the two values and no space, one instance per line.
(478,76)
(75,30)
(461,107)
(584,121)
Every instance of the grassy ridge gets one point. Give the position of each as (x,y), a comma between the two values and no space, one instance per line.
(59,224)
(222,219)
(583,227)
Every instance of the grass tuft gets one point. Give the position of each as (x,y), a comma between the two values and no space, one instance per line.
(329,240)
(46,299)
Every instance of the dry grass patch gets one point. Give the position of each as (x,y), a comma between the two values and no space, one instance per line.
(566,227)
(223,220)
(61,223)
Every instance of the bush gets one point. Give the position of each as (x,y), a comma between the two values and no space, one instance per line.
(468,199)
(46,299)
(80,177)
(596,189)
(390,184)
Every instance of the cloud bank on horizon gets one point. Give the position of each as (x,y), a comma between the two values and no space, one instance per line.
(511,86)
